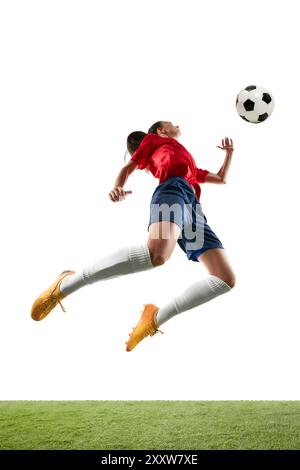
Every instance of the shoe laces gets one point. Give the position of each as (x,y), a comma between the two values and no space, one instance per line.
(54,297)
(150,332)
(156,331)
(61,305)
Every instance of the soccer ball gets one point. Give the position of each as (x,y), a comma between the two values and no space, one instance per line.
(254,104)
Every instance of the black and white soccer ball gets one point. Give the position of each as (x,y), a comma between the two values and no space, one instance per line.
(254,104)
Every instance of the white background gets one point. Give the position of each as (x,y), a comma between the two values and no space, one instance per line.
(76,78)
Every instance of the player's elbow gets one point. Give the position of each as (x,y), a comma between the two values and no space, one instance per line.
(222,178)
(216,178)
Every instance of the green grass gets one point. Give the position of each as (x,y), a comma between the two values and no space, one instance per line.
(150,425)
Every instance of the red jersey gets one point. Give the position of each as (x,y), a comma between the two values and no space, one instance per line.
(166,157)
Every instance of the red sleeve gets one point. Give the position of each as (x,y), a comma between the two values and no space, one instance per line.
(201,175)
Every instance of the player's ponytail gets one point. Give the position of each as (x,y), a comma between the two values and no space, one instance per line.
(135,138)
(133,141)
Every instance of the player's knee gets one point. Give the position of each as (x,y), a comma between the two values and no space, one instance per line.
(230,279)
(158,259)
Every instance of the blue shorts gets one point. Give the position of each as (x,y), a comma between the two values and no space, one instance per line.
(175,200)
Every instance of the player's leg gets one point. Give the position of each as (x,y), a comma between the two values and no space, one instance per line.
(196,294)
(201,291)
(221,279)
(217,264)
(206,247)
(123,261)
(162,240)
(158,248)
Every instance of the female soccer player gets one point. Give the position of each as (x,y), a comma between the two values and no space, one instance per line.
(175,217)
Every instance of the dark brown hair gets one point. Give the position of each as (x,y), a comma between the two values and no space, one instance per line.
(135,138)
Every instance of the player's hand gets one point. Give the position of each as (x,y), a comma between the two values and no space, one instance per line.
(118,194)
(227,145)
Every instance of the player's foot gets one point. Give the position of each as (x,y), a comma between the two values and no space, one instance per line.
(146,326)
(46,301)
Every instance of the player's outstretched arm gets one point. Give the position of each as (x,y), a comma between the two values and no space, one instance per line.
(214,178)
(118,193)
(221,176)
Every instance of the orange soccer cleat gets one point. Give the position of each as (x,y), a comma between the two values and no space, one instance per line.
(146,326)
(46,301)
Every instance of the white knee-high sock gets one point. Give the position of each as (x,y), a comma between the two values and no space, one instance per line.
(125,260)
(198,293)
